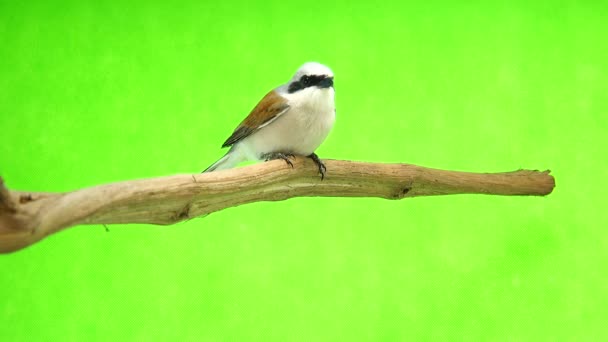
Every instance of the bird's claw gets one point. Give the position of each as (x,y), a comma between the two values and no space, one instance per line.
(286,156)
(322,168)
(279,155)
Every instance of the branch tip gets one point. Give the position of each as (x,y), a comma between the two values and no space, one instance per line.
(6,203)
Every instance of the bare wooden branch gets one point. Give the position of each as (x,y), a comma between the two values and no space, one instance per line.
(27,217)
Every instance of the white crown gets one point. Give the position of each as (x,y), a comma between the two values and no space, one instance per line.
(313,68)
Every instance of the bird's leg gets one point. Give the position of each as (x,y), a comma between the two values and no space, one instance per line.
(319,163)
(279,155)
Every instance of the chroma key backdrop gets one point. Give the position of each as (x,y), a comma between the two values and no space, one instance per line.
(93,92)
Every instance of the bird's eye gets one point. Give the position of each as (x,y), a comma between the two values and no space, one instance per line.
(305,80)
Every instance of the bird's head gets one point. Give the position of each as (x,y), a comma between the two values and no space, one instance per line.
(311,74)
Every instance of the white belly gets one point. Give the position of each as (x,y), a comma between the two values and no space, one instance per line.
(300,131)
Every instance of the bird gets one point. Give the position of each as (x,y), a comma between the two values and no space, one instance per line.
(291,120)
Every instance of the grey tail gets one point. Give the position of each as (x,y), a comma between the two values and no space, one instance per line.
(230,160)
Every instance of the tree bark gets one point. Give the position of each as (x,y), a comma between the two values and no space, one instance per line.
(28,217)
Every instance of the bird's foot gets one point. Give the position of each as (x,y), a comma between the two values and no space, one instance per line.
(319,163)
(279,155)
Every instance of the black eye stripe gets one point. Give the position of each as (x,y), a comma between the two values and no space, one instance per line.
(305,82)
(295,86)
(311,80)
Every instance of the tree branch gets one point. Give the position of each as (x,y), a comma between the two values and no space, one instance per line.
(27,217)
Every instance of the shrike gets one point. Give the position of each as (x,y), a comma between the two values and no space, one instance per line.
(293,119)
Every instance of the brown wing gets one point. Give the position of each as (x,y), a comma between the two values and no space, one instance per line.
(271,107)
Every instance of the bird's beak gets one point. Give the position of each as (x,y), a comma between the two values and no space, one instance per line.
(326,82)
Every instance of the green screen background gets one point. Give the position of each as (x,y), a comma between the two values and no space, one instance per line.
(101,91)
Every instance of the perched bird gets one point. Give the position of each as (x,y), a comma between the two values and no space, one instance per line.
(293,119)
